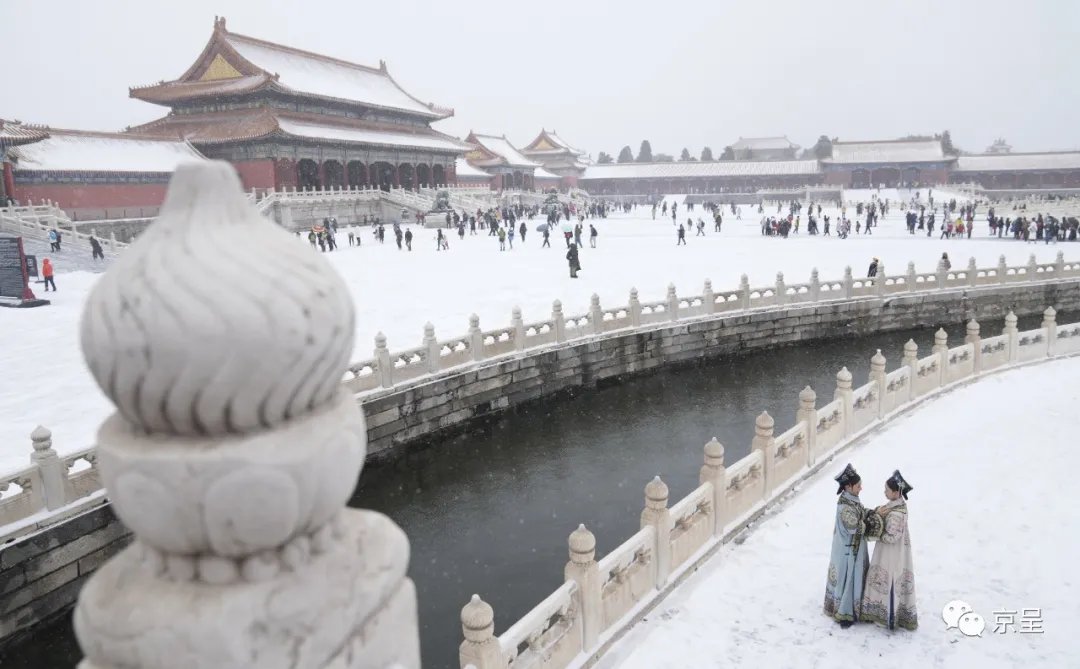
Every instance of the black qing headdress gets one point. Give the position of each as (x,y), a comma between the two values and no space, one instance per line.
(846,478)
(901,483)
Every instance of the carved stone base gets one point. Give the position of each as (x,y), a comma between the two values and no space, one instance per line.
(349,607)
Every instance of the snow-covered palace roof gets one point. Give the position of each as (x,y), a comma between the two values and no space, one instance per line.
(498,150)
(541,173)
(464,170)
(77,151)
(898,151)
(1019,162)
(231,64)
(693,169)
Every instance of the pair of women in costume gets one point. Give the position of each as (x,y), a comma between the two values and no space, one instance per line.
(881,590)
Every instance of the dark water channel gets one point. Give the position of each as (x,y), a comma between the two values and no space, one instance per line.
(490,512)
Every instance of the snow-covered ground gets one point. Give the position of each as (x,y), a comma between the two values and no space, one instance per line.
(981,532)
(45,382)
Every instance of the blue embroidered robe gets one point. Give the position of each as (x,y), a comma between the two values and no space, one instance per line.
(848,563)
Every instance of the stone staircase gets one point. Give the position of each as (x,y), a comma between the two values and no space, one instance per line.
(35,222)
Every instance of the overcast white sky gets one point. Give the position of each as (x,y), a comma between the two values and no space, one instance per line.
(602,73)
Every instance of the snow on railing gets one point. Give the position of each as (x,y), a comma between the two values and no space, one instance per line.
(599,320)
(599,599)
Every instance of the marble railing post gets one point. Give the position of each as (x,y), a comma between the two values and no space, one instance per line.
(1002,270)
(849,283)
(846,396)
(713,472)
(941,348)
(232,454)
(942,274)
(972,272)
(382,362)
(763,441)
(1012,334)
(807,413)
(657,514)
(50,468)
(972,337)
(672,302)
(877,376)
(1059,265)
(559,320)
(519,329)
(879,280)
(583,570)
(481,648)
(432,350)
(744,292)
(635,308)
(708,299)
(1032,268)
(815,285)
(476,338)
(596,315)
(1049,324)
(780,290)
(912,278)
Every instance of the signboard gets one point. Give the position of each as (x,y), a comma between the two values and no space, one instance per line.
(31,266)
(13,277)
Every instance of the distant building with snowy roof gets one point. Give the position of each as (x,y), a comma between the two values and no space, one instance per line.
(888,163)
(495,155)
(699,177)
(89,173)
(1052,169)
(765,148)
(557,156)
(291,118)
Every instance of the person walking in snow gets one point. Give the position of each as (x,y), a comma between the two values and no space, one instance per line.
(398,236)
(681,239)
(872,272)
(47,274)
(700,228)
(547,237)
(502,238)
(523,229)
(572,258)
(592,236)
(95,248)
(408,239)
(510,235)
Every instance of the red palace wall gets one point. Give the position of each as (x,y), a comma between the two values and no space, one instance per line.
(285,175)
(77,197)
(838,178)
(257,173)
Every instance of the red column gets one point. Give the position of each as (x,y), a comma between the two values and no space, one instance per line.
(9,180)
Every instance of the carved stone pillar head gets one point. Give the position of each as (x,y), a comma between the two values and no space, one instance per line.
(234,449)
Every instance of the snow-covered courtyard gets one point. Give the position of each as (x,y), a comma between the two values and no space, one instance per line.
(980,529)
(396,292)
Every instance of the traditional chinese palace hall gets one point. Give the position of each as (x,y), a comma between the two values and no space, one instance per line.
(290,118)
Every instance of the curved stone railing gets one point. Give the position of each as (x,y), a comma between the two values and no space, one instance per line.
(385,368)
(600,599)
(386,376)
(36,221)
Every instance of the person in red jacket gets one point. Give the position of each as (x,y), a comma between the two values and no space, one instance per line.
(47,273)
